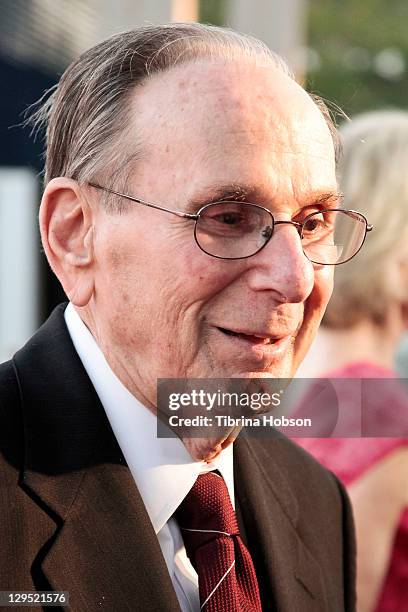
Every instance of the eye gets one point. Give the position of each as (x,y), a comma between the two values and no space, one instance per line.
(229,217)
(319,225)
(233,230)
(315,223)
(232,217)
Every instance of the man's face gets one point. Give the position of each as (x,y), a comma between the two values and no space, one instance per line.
(164,308)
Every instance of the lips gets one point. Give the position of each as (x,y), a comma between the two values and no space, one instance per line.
(253,338)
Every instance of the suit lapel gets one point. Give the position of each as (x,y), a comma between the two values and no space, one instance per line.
(289,576)
(106,553)
(98,541)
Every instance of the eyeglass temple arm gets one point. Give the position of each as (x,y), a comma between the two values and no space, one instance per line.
(184,215)
(178,213)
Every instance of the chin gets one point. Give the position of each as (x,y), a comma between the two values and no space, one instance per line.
(284,368)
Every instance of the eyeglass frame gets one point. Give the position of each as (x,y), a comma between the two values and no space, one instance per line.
(196,216)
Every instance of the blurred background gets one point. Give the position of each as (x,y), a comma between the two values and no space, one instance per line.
(352,53)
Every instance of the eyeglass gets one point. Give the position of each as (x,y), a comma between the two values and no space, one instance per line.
(237,230)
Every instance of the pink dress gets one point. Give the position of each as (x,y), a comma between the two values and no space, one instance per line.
(349,458)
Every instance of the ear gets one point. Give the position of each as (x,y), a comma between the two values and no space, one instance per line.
(66,225)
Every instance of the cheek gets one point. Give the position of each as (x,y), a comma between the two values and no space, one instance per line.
(122,288)
(190,284)
(158,291)
(314,310)
(209,274)
(318,299)
(154,292)
(324,278)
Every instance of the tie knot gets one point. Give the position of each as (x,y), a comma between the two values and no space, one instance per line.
(207,508)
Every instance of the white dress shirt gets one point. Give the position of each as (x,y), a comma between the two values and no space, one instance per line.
(162,468)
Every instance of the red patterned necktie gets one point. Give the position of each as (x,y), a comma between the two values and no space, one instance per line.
(226,574)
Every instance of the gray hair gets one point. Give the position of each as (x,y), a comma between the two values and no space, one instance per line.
(373,178)
(87,117)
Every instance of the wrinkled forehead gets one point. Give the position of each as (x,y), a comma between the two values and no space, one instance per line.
(213,99)
(232,123)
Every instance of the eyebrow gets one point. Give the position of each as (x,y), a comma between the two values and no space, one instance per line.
(235,193)
(250,193)
(331,198)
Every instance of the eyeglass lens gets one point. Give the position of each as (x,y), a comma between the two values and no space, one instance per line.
(235,230)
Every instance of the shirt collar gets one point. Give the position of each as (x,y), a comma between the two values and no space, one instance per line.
(162,468)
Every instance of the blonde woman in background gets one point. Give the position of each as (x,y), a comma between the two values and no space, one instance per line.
(361,330)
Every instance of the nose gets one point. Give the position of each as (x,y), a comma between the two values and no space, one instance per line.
(282,268)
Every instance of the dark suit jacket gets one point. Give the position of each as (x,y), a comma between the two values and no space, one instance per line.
(72,519)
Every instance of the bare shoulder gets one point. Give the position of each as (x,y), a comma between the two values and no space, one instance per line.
(385,483)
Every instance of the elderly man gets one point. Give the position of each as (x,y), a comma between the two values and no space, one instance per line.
(188,179)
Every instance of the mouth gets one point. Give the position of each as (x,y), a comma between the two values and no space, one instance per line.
(254,350)
(252,338)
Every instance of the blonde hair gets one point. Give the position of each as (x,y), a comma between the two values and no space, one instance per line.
(374,179)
